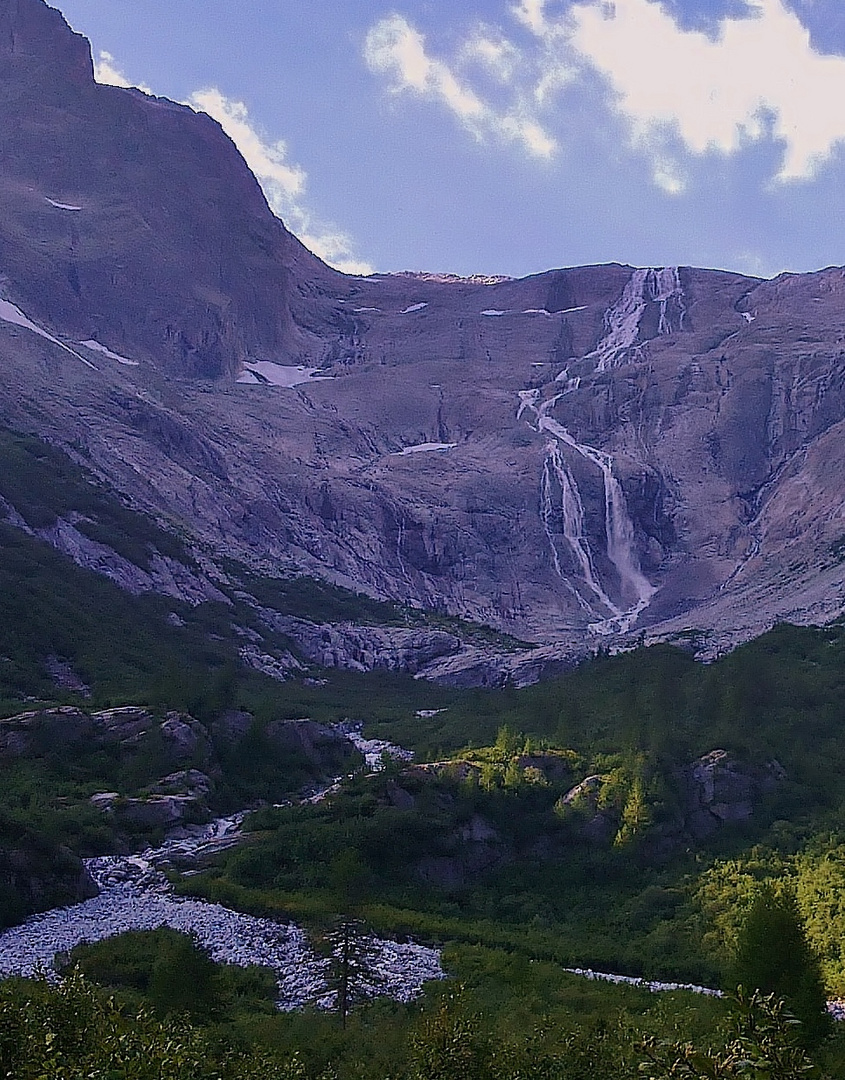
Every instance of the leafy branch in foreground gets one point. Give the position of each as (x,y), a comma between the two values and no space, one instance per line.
(760,1044)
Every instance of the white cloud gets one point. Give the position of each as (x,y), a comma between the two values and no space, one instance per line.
(268,160)
(491,51)
(283,182)
(396,49)
(106,71)
(757,77)
(532,14)
(753,77)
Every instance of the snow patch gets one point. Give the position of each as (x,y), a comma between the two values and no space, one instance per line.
(62,206)
(545,311)
(413,307)
(11,314)
(268,373)
(493,311)
(95,346)
(425,447)
(362,310)
(749,318)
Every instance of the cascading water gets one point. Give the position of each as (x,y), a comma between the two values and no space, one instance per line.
(557,479)
(666,286)
(622,321)
(634,588)
(560,499)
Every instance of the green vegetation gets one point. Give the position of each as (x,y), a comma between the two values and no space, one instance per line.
(43,484)
(554,831)
(498,868)
(168,972)
(75,1030)
(773,955)
(319,601)
(72,1031)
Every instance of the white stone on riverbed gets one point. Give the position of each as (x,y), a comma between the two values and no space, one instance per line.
(643,984)
(135,895)
(230,937)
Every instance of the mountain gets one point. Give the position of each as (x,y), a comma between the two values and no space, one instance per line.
(578,458)
(132,219)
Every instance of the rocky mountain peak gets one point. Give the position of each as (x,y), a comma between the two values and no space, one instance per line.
(133,221)
(576,457)
(38,46)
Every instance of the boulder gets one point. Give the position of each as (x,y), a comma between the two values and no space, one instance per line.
(160,811)
(125,725)
(719,790)
(44,731)
(232,727)
(185,736)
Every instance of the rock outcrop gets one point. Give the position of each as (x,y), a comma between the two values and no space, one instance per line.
(365,648)
(715,791)
(117,207)
(36,875)
(719,791)
(328,749)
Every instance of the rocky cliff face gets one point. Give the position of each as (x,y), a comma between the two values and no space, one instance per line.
(578,457)
(132,221)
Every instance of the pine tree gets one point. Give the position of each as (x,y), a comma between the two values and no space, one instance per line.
(773,956)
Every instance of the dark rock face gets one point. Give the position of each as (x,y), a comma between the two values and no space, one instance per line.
(36,876)
(31,733)
(185,737)
(173,255)
(720,791)
(35,44)
(329,751)
(474,847)
(579,457)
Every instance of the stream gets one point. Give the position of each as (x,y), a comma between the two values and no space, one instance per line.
(136,895)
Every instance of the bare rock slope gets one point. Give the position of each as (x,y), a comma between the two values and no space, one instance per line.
(580,456)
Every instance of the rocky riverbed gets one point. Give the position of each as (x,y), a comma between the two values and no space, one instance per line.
(135,895)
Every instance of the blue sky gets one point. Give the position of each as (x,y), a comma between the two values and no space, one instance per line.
(512,136)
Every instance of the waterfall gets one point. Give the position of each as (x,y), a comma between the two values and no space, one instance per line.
(622,321)
(636,590)
(571,512)
(665,285)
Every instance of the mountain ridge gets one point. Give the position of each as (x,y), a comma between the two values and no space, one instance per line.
(582,458)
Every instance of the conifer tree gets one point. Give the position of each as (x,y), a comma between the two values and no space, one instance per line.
(773,956)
